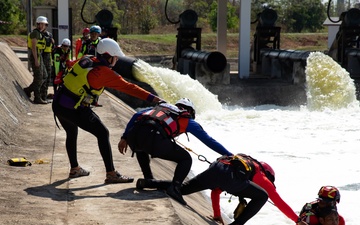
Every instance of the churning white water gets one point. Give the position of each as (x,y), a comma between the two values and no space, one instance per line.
(308,146)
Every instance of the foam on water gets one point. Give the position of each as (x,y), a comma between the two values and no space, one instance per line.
(171,86)
(328,84)
(308,146)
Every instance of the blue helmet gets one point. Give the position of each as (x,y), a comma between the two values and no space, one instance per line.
(95,29)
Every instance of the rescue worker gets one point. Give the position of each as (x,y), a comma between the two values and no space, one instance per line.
(82,40)
(89,47)
(47,58)
(36,46)
(71,105)
(231,174)
(152,132)
(328,196)
(264,176)
(61,56)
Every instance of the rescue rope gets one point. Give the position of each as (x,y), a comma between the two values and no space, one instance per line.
(118,101)
(200,157)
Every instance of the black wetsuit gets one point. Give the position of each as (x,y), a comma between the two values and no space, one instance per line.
(148,138)
(220,175)
(149,141)
(88,120)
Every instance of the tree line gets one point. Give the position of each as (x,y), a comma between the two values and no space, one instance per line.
(154,16)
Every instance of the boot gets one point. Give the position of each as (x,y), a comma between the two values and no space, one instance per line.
(27,92)
(152,183)
(174,192)
(142,183)
(39,101)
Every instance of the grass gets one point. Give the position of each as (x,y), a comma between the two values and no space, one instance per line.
(164,44)
(152,38)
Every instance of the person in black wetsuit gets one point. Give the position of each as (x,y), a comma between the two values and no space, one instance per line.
(232,178)
(152,132)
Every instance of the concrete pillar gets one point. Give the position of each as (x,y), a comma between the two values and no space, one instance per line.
(63,19)
(221,26)
(244,39)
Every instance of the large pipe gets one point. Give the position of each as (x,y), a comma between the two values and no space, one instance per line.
(292,55)
(124,67)
(214,61)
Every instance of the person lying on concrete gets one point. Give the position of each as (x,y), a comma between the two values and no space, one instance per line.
(82,85)
(151,132)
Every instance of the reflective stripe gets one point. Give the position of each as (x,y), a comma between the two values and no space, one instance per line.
(167,116)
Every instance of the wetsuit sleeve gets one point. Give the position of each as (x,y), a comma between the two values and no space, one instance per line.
(131,123)
(195,129)
(102,76)
(261,180)
(215,201)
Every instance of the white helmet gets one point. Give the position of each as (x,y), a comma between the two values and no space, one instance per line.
(186,104)
(109,46)
(66,42)
(42,19)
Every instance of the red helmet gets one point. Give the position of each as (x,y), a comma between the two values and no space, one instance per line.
(86,30)
(269,172)
(329,193)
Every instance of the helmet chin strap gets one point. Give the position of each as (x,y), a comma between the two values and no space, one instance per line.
(114,59)
(103,60)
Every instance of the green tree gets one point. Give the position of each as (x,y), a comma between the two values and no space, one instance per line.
(232,18)
(147,21)
(12,17)
(302,15)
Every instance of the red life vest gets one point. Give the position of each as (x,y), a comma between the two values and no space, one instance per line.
(167,116)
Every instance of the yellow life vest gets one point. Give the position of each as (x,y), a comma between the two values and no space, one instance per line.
(76,81)
(40,45)
(48,48)
(48,43)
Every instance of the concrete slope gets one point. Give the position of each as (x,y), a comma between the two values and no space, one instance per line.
(42,193)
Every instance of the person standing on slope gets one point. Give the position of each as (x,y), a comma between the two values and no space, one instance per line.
(151,132)
(82,84)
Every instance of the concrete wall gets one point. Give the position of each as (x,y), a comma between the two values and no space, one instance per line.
(13,101)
